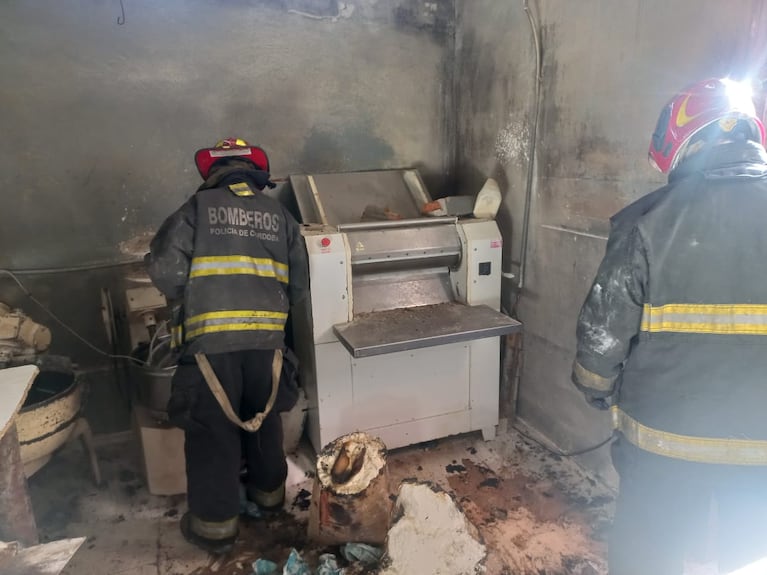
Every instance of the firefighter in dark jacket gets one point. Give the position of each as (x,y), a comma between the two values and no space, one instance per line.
(230,261)
(672,338)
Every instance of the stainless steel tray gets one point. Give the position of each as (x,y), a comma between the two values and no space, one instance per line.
(404,329)
(341,198)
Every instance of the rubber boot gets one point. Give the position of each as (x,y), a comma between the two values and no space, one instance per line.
(267,501)
(216,537)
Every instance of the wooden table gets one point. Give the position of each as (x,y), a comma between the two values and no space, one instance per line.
(17,521)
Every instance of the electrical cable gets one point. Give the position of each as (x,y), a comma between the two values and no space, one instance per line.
(532,143)
(121,17)
(59,321)
(80,268)
(566,453)
(166,340)
(153,340)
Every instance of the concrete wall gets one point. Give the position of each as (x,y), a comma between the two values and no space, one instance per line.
(100,120)
(608,68)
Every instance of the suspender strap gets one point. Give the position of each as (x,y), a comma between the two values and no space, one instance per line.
(214,384)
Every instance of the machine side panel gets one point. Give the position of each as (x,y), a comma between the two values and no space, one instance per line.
(485,377)
(421,430)
(459,275)
(478,279)
(405,386)
(329,271)
(334,414)
(303,345)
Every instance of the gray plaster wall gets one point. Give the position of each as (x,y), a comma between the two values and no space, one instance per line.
(607,69)
(100,121)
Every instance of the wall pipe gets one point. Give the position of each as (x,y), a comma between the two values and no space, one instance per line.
(531,145)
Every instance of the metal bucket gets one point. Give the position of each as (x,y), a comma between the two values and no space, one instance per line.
(152,385)
(152,380)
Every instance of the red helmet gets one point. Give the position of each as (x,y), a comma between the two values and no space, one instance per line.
(700,105)
(230,148)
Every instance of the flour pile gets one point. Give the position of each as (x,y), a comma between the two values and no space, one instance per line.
(431,536)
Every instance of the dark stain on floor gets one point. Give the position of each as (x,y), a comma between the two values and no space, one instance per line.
(302,500)
(268,538)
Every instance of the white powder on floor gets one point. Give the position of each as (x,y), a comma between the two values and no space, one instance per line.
(433,537)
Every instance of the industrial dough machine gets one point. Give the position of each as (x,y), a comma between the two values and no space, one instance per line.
(401,335)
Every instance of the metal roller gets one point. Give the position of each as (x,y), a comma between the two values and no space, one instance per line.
(416,244)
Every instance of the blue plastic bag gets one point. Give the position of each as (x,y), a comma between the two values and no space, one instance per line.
(296,565)
(264,567)
(361,552)
(328,565)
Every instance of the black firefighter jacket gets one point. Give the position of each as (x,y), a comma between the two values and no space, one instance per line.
(674,329)
(234,259)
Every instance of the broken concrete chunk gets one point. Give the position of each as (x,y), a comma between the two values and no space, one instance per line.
(46,559)
(348,465)
(350,499)
(430,535)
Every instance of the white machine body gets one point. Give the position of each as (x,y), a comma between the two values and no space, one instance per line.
(400,337)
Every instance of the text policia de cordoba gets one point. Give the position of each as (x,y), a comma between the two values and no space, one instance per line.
(227,221)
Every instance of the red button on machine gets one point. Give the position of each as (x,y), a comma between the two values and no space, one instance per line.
(325,242)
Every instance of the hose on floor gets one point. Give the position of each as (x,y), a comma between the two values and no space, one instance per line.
(566,453)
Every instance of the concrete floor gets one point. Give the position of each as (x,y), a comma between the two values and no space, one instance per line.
(537,513)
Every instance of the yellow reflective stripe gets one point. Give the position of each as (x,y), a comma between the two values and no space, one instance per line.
(214,529)
(592,380)
(238,265)
(690,448)
(242,189)
(232,314)
(176,337)
(229,259)
(718,319)
(234,320)
(234,327)
(238,271)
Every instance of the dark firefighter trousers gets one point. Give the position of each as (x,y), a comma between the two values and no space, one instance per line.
(663,509)
(214,446)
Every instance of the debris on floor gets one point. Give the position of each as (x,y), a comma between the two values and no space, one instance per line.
(45,559)
(296,565)
(359,555)
(430,535)
(537,513)
(529,522)
(534,513)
